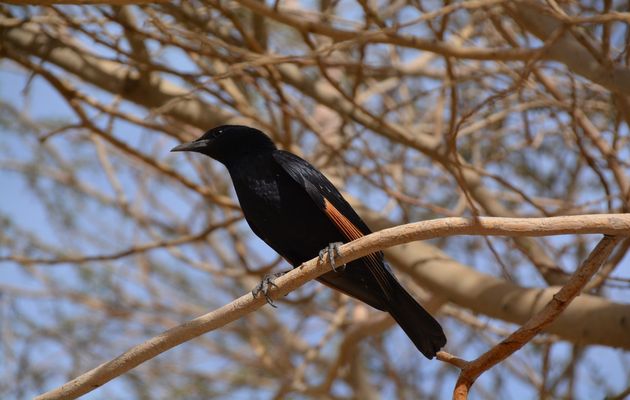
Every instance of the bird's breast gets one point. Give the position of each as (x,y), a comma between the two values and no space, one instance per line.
(281,212)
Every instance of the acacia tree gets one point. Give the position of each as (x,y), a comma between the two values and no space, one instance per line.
(417,110)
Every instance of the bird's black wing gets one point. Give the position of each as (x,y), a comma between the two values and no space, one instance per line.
(337,209)
(373,282)
(318,187)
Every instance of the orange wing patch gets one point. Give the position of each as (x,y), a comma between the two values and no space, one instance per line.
(351,232)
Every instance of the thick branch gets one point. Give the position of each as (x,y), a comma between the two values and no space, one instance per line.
(113,77)
(589,320)
(568,50)
(611,224)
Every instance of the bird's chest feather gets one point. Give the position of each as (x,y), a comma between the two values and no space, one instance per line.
(280,211)
(274,202)
(260,193)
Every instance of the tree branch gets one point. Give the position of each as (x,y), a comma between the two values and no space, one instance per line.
(112,76)
(387,36)
(609,224)
(82,2)
(568,50)
(472,370)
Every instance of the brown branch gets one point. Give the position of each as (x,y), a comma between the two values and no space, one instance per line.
(82,2)
(111,76)
(451,359)
(618,224)
(568,50)
(472,370)
(386,36)
(590,319)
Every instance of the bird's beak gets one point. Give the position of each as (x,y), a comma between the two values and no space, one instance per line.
(197,145)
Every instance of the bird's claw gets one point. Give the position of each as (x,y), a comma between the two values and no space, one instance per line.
(333,251)
(265,286)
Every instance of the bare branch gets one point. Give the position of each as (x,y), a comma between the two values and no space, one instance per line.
(561,300)
(361,247)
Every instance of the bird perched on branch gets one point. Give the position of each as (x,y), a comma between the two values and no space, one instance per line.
(297,211)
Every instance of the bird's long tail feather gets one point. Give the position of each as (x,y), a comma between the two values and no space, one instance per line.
(423,330)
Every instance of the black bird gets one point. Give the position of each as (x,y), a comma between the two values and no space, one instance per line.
(297,211)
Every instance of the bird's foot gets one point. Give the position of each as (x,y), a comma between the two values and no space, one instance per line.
(333,251)
(265,286)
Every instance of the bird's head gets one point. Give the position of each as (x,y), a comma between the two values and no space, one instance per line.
(229,142)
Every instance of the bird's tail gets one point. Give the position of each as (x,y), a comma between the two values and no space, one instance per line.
(423,330)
